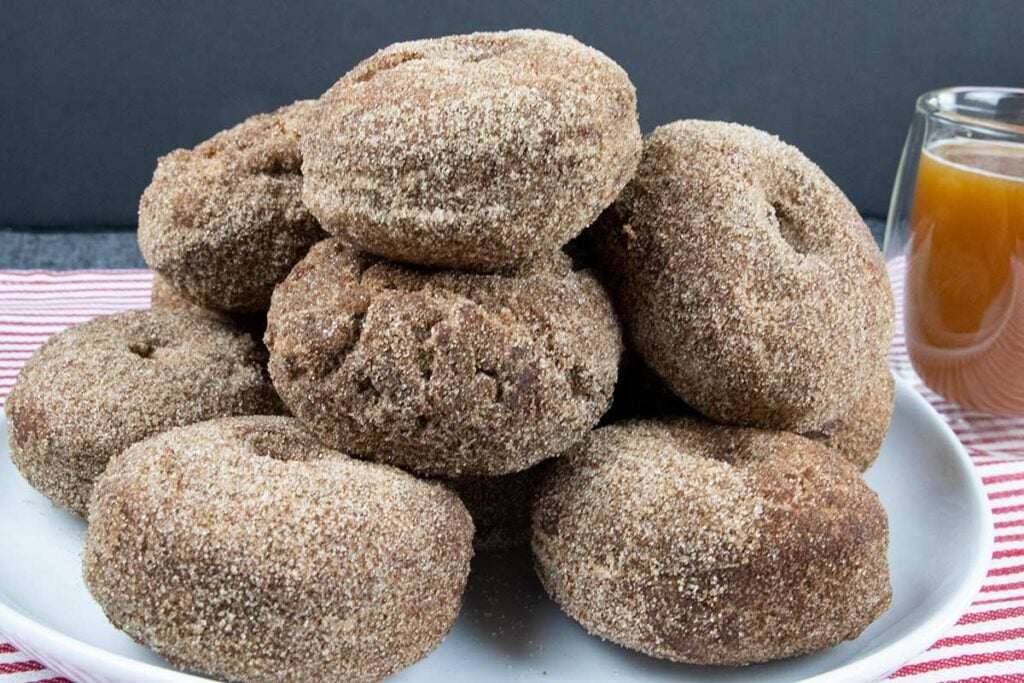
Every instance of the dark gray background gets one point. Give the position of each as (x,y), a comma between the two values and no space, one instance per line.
(92,92)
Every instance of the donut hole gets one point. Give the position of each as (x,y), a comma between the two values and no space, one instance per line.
(142,349)
(788,228)
(274,442)
(329,365)
(386,63)
(207,151)
(154,349)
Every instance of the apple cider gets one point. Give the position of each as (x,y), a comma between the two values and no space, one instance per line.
(964,291)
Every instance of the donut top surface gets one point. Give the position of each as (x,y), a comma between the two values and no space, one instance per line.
(746,279)
(241,547)
(268,460)
(471,151)
(711,544)
(444,372)
(224,221)
(94,389)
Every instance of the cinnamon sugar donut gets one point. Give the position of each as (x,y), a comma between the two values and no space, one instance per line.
(709,544)
(444,373)
(93,390)
(471,151)
(224,222)
(243,549)
(858,435)
(500,506)
(745,278)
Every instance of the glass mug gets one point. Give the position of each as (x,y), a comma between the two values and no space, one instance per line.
(956,230)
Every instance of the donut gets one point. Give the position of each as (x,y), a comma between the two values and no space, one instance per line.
(472,151)
(224,222)
(444,373)
(858,435)
(93,390)
(500,506)
(242,549)
(745,278)
(710,544)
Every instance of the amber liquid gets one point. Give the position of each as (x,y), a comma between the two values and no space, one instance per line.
(965,277)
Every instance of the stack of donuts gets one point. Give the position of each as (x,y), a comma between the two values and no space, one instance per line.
(460,302)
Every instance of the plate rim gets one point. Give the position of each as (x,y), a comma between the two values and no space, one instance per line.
(897,653)
(876,665)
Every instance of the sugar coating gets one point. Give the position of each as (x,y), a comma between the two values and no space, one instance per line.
(242,549)
(500,505)
(745,278)
(165,296)
(444,373)
(224,222)
(93,390)
(858,435)
(709,544)
(471,151)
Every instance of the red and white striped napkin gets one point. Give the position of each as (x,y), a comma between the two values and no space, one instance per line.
(986,645)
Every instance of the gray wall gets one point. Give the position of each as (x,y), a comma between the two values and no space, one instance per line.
(92,92)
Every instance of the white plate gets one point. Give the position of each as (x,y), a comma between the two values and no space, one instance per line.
(941,538)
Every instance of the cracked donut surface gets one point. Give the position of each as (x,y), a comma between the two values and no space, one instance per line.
(442,372)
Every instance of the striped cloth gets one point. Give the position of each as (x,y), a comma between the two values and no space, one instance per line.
(986,646)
